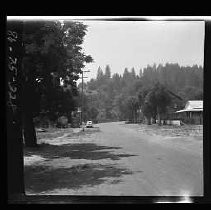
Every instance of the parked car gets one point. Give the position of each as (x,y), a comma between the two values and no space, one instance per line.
(89,124)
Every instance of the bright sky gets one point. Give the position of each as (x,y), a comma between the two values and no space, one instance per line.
(139,43)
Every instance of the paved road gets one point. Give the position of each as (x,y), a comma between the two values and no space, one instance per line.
(150,165)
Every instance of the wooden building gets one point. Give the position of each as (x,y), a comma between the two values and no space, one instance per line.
(192,113)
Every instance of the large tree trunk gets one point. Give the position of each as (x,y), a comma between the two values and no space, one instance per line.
(29,132)
(149,120)
(154,120)
(135,117)
(159,119)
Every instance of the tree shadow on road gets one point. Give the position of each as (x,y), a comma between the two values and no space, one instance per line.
(40,179)
(89,151)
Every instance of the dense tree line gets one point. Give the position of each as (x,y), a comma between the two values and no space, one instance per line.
(148,94)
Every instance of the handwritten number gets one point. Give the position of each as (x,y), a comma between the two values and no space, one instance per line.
(13,89)
(11,39)
(13,97)
(13,106)
(12,60)
(13,34)
(13,69)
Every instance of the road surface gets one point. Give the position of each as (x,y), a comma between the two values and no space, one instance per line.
(134,163)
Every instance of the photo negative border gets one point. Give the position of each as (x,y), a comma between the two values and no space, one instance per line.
(17,195)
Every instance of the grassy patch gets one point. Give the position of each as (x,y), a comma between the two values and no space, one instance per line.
(51,133)
(170,130)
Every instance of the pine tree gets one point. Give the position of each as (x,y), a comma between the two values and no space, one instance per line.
(107,72)
(140,73)
(133,73)
(99,73)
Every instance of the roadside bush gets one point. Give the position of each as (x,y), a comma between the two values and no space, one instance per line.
(62,122)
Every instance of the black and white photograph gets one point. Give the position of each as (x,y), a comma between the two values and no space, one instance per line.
(105,107)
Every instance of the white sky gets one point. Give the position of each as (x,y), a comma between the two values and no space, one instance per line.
(139,43)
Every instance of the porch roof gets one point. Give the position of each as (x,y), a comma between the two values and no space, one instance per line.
(190,110)
(192,106)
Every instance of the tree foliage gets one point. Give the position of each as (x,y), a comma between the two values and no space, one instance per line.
(52,62)
(154,90)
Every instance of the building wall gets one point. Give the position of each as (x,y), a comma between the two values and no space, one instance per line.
(191,117)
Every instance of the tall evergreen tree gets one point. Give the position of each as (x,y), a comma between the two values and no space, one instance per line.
(99,73)
(133,73)
(140,73)
(113,93)
(108,72)
(126,73)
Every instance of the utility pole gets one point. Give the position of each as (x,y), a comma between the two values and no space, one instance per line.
(82,98)
(82,92)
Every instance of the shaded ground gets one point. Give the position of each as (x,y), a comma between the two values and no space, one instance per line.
(41,178)
(50,166)
(75,151)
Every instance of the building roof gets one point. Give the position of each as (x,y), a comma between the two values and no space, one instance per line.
(192,106)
